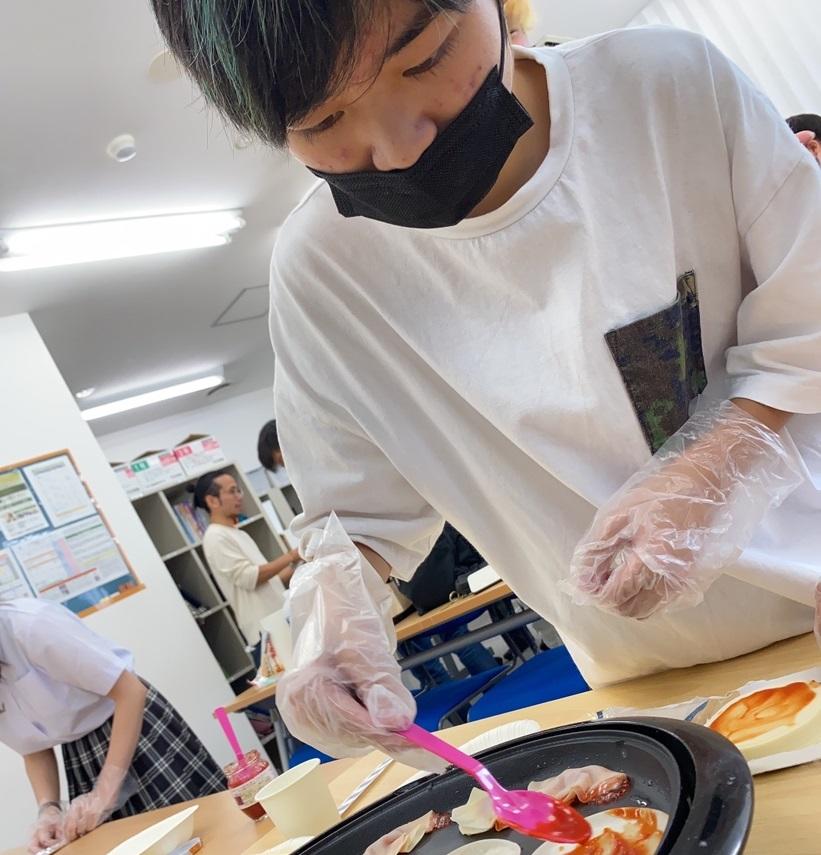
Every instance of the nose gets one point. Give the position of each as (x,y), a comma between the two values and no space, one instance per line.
(399,140)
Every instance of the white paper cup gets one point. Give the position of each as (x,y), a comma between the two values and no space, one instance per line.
(299,802)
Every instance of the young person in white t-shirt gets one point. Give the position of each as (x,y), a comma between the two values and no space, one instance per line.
(544,258)
(242,572)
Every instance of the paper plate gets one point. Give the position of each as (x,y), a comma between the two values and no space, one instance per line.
(489,739)
(288,846)
(161,838)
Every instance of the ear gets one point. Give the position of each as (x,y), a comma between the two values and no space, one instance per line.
(806,138)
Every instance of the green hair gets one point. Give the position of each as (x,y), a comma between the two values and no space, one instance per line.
(266,64)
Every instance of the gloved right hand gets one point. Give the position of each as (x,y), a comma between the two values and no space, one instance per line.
(48,829)
(343,692)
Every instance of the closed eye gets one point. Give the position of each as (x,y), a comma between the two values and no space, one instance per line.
(326,124)
(443,51)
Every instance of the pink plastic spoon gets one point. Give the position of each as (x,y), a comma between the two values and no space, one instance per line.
(531,813)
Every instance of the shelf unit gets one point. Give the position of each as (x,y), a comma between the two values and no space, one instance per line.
(283,500)
(185,561)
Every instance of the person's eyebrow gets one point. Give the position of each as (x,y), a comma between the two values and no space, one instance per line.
(415,29)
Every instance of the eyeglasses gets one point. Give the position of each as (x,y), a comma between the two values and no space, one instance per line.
(233,491)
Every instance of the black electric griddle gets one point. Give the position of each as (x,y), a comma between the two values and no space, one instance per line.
(696,776)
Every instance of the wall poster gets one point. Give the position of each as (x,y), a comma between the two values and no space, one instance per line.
(55,542)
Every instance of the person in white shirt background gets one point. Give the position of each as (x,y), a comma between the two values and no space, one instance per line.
(571,304)
(242,572)
(125,749)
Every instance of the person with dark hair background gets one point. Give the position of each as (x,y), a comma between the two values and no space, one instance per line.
(242,572)
(807,127)
(524,297)
(269,451)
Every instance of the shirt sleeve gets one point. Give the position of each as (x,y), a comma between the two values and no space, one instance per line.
(228,560)
(776,188)
(335,467)
(60,645)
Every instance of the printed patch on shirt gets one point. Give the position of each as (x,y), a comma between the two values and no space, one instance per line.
(661,362)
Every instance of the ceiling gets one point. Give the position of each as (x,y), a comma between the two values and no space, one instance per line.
(80,73)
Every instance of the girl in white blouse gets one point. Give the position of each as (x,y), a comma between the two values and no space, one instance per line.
(63,685)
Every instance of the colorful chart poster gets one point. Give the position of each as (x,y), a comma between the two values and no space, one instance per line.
(19,513)
(60,490)
(53,542)
(12,583)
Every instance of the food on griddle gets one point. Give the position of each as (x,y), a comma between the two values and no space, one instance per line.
(407,837)
(476,816)
(617,831)
(587,784)
(769,721)
(590,785)
(489,847)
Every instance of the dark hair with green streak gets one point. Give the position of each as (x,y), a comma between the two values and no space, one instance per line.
(266,64)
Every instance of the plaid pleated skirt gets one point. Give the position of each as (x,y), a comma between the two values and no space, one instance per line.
(170,764)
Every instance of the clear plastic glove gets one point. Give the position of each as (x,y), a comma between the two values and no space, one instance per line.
(343,692)
(48,830)
(89,810)
(665,536)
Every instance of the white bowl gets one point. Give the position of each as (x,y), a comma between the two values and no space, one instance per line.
(162,838)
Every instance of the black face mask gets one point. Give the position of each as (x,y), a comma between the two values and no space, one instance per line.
(454,173)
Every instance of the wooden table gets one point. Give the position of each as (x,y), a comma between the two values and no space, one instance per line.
(787,802)
(224,829)
(408,628)
(416,624)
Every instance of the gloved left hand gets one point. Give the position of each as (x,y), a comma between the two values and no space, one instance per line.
(89,810)
(666,535)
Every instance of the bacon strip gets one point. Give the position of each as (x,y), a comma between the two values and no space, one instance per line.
(407,837)
(594,785)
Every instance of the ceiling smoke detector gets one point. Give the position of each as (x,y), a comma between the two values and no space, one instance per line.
(122,148)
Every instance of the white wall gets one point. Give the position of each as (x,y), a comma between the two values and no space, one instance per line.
(40,416)
(776,42)
(235,422)
(576,18)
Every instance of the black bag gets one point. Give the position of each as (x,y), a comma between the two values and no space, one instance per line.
(444,571)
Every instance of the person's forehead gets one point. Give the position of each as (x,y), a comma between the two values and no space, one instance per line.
(225,481)
(393,26)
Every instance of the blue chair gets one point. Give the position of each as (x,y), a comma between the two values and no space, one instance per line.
(307,752)
(546,677)
(437,704)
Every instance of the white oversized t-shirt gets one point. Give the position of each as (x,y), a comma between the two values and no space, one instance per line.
(464,372)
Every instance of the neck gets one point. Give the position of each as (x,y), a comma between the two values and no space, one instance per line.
(530,88)
(220,518)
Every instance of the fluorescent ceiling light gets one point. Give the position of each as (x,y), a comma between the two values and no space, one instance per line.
(75,243)
(154,397)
